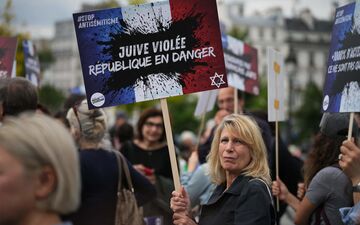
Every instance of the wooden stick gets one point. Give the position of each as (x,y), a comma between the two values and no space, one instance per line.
(277,138)
(236,101)
(202,124)
(170,143)
(351,122)
(277,157)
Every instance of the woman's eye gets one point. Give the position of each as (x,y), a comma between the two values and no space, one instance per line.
(238,141)
(224,140)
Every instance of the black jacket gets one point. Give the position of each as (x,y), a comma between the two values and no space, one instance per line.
(247,201)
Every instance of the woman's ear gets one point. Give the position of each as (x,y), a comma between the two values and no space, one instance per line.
(46,182)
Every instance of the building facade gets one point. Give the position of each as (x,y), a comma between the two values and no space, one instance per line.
(65,73)
(304,42)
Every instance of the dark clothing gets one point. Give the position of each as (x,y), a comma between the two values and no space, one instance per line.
(245,202)
(289,171)
(158,159)
(99,176)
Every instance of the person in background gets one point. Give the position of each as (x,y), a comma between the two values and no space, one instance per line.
(349,161)
(124,133)
(187,145)
(327,187)
(99,170)
(238,166)
(148,152)
(40,176)
(17,95)
(114,132)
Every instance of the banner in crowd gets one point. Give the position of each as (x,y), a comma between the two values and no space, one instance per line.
(7,55)
(276,86)
(241,64)
(341,88)
(150,51)
(206,102)
(32,64)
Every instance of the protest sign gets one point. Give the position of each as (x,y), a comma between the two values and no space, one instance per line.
(241,64)
(341,88)
(150,51)
(32,64)
(276,92)
(206,102)
(7,55)
(276,86)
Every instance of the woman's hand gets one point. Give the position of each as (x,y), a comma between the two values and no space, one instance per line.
(180,202)
(300,191)
(182,219)
(349,160)
(146,172)
(279,189)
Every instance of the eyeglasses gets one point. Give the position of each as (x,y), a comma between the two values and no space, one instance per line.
(151,124)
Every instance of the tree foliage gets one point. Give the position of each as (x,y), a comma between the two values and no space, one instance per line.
(182,108)
(238,33)
(6,18)
(308,115)
(51,98)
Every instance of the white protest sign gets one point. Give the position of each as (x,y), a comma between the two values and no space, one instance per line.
(276,86)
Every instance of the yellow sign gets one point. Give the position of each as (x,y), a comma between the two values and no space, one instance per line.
(276,68)
(276,104)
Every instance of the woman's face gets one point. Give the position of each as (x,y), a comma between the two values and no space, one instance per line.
(17,189)
(152,129)
(233,152)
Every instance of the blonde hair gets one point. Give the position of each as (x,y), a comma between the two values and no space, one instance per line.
(38,141)
(249,132)
(90,123)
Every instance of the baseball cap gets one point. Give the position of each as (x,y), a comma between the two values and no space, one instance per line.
(337,124)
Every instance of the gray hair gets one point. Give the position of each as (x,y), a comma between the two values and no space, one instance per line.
(37,141)
(90,123)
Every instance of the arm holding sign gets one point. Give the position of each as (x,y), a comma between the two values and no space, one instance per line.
(350,163)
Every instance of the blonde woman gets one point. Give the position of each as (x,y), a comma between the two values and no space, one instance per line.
(39,171)
(238,166)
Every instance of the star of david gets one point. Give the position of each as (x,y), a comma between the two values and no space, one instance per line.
(217,80)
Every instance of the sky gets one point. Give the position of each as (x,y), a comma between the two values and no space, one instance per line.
(39,16)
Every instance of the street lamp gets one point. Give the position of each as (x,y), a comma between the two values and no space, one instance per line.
(291,64)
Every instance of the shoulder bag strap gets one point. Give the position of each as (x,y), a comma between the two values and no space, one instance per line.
(123,167)
(267,187)
(119,163)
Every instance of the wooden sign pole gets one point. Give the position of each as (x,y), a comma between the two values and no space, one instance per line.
(351,122)
(170,143)
(236,101)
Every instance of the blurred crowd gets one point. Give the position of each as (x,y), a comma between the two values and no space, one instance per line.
(62,169)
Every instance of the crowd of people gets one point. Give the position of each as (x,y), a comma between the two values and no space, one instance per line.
(64,169)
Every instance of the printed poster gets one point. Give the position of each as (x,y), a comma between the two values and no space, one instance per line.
(7,55)
(341,88)
(150,51)
(276,86)
(206,102)
(32,64)
(241,65)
